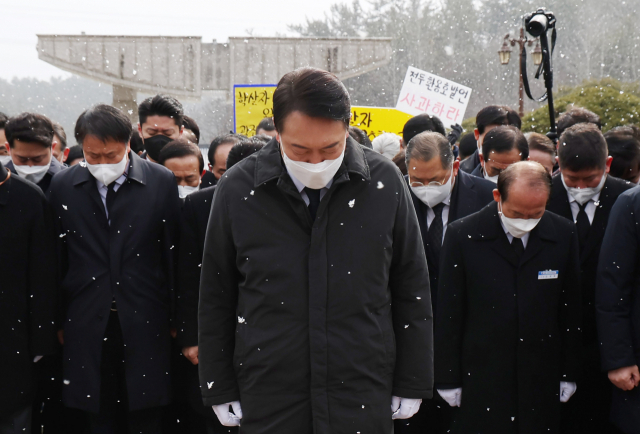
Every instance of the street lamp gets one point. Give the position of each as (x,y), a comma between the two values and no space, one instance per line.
(505,56)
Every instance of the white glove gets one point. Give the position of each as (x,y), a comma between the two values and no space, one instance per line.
(227,418)
(36,359)
(452,396)
(404,408)
(567,390)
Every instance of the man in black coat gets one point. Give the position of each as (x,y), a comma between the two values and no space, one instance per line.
(487,119)
(315,311)
(583,193)
(27,295)
(30,141)
(117,218)
(508,322)
(618,309)
(441,194)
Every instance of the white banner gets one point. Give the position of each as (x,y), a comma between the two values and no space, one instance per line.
(423,92)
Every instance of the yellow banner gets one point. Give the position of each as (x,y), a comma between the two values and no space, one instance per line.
(375,121)
(252,103)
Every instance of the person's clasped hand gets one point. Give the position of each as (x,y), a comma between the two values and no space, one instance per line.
(452,396)
(225,416)
(404,408)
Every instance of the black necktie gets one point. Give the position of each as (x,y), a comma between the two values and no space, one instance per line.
(434,235)
(314,201)
(111,196)
(582,222)
(518,247)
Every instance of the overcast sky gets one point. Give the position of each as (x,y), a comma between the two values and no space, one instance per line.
(22,20)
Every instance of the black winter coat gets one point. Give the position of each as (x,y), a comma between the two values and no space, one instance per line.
(469,164)
(131,260)
(618,303)
(313,326)
(502,334)
(27,288)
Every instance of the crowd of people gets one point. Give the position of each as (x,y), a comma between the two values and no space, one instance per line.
(312,280)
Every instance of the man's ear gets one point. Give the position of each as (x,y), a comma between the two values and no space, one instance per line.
(54,146)
(6,145)
(66,154)
(608,164)
(476,134)
(496,195)
(481,159)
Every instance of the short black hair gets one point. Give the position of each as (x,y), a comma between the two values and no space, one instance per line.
(243,149)
(497,115)
(468,145)
(263,137)
(419,124)
(104,122)
(581,147)
(314,92)
(137,145)
(220,140)
(29,127)
(577,115)
(3,120)
(360,136)
(503,139)
(624,147)
(508,176)
(75,153)
(161,105)
(266,124)
(59,131)
(428,145)
(178,149)
(191,125)
(542,143)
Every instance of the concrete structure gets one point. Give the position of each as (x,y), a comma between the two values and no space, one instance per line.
(185,67)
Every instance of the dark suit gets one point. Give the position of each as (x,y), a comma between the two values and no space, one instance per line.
(27,289)
(469,164)
(208,180)
(44,183)
(478,172)
(589,412)
(618,303)
(505,336)
(129,260)
(468,196)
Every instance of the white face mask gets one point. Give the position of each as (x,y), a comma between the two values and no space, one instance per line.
(493,179)
(584,195)
(33,173)
(107,173)
(432,195)
(315,176)
(4,159)
(185,190)
(517,227)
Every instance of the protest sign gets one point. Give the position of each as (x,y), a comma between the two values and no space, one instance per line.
(378,120)
(251,104)
(423,92)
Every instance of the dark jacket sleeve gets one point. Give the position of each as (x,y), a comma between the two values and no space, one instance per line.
(571,314)
(617,285)
(60,240)
(218,305)
(411,305)
(42,283)
(189,266)
(451,312)
(171,238)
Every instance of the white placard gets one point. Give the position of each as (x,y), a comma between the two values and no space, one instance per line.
(423,92)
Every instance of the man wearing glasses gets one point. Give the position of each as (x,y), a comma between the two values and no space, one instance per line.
(441,194)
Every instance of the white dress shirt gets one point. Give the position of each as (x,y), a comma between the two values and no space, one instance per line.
(525,237)
(590,209)
(103,189)
(445,215)
(300,186)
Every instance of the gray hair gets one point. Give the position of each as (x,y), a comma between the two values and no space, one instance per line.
(387,144)
(428,145)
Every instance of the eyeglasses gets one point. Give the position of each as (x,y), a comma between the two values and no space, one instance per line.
(432,183)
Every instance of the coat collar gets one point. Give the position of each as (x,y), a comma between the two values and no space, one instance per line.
(490,229)
(269,165)
(136,171)
(463,196)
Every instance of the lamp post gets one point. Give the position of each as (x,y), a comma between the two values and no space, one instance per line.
(505,56)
